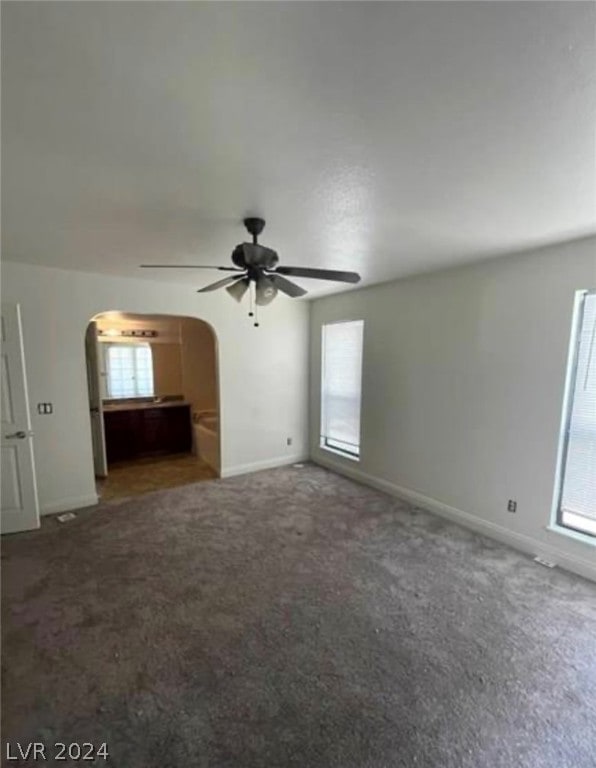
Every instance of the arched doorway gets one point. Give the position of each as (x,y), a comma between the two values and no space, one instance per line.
(153,401)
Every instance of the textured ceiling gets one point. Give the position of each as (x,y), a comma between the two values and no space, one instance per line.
(388,138)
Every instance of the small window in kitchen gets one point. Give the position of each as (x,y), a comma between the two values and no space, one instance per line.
(129,370)
(576,502)
(341,387)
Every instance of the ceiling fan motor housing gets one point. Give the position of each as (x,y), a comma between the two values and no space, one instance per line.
(238,257)
(253,255)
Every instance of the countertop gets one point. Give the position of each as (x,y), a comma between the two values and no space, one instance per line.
(144,406)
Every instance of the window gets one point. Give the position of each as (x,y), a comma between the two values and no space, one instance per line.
(129,370)
(341,387)
(576,506)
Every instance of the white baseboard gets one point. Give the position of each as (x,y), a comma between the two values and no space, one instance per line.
(65,505)
(581,566)
(256,466)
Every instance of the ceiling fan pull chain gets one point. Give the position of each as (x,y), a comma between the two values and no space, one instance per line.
(256,322)
(250,301)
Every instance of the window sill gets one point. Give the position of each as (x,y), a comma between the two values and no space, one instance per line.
(339,453)
(584,538)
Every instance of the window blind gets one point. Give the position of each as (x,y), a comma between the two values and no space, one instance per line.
(129,369)
(341,386)
(578,495)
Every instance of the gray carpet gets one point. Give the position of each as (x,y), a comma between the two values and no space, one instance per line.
(294,618)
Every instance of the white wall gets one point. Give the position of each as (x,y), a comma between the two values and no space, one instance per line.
(263,371)
(199,364)
(463,382)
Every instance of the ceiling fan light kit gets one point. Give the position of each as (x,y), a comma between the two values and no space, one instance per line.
(256,265)
(238,288)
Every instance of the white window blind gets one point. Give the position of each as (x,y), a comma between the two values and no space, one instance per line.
(129,370)
(341,386)
(577,508)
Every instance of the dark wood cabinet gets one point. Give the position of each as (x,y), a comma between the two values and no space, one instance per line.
(137,432)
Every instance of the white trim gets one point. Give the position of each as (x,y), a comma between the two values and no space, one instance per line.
(337,452)
(571,533)
(73,502)
(572,352)
(527,544)
(256,466)
(322,406)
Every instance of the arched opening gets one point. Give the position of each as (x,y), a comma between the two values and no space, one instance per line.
(153,402)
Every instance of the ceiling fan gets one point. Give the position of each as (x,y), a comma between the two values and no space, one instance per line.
(254,263)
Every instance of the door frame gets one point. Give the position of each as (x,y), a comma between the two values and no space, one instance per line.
(98,438)
(26,516)
(174,316)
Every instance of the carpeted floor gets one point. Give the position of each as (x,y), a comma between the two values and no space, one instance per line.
(293,618)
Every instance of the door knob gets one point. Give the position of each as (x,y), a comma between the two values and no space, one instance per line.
(20,435)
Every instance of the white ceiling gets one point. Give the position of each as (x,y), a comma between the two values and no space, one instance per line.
(387,138)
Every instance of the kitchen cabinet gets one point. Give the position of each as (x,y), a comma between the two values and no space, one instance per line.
(136,432)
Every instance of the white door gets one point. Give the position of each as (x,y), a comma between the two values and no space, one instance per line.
(100,461)
(19,507)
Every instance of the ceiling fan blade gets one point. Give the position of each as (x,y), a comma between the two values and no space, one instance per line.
(220,283)
(265,291)
(320,274)
(187,266)
(287,286)
(238,289)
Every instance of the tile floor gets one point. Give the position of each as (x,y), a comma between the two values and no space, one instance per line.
(133,478)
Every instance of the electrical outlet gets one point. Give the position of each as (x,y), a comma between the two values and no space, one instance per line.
(45,408)
(289,441)
(512,505)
